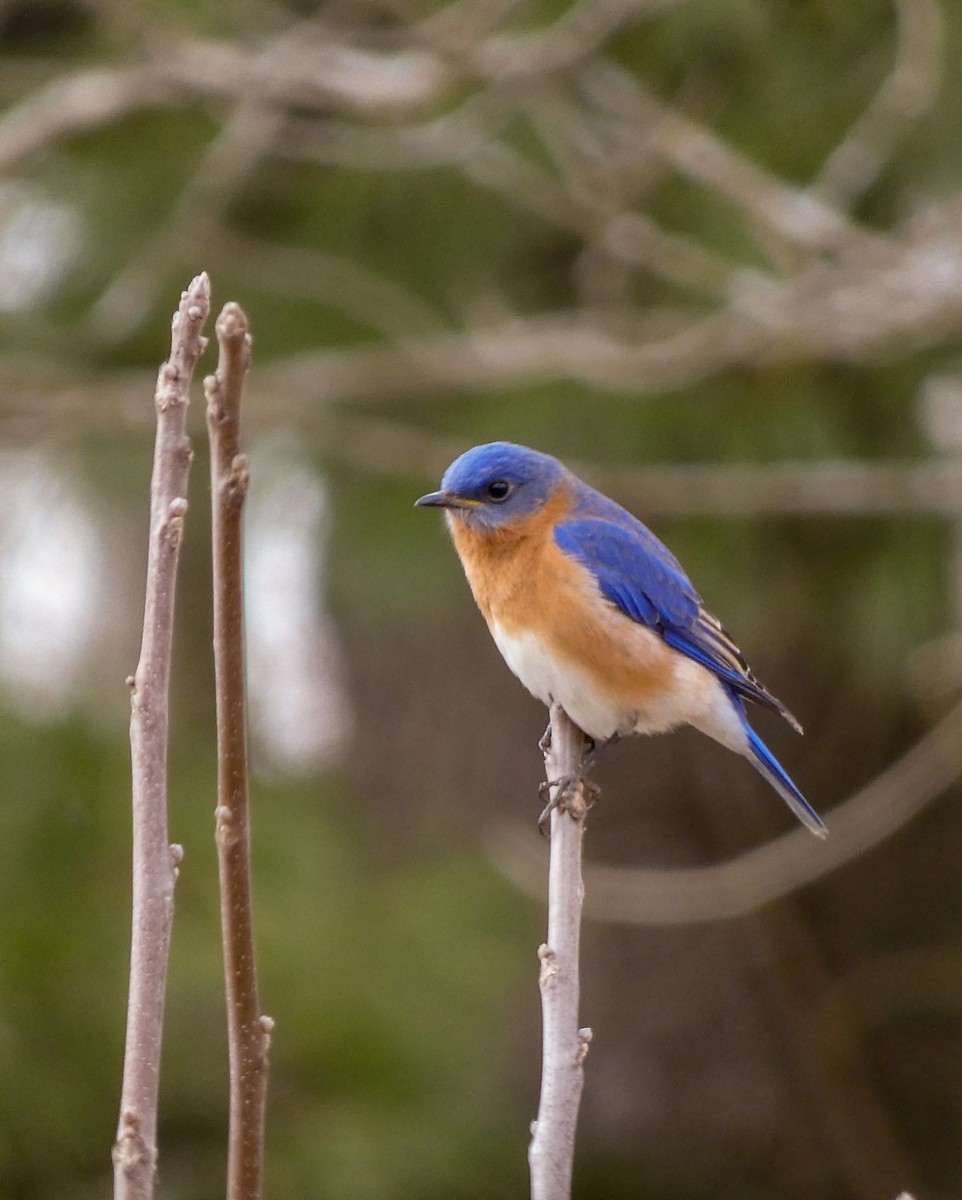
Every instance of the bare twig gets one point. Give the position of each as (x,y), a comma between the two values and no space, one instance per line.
(248,1030)
(564,1045)
(154,859)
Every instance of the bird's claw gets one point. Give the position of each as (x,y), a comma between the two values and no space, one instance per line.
(572,794)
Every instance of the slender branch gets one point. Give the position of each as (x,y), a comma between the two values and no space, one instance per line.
(154,859)
(248,1030)
(564,1045)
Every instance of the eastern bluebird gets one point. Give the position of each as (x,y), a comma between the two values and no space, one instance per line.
(592,612)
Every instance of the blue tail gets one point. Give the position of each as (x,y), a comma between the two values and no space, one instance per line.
(768,765)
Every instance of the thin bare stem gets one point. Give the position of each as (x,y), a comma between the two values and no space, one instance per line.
(248,1030)
(564,1045)
(154,859)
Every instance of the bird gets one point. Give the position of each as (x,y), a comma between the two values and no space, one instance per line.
(590,610)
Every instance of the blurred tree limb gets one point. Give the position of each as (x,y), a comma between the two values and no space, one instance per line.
(820,284)
(397,450)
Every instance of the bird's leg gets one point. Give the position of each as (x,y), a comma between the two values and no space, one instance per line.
(593,748)
(564,787)
(596,749)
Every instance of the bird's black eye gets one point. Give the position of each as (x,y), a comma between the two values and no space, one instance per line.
(498,490)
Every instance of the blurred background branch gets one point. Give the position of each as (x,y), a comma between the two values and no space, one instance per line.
(828,286)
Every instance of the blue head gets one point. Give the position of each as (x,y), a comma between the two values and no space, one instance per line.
(495,484)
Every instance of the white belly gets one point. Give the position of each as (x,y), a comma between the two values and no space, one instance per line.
(551,681)
(695,696)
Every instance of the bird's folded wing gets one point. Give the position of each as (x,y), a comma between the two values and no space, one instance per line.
(631,571)
(642,578)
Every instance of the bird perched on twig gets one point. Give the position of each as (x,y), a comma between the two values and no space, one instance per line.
(591,611)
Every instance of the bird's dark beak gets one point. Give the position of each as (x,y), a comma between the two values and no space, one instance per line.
(444,500)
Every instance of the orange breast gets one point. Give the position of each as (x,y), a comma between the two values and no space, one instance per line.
(524,583)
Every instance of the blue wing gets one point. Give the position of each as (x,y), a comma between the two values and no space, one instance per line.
(647,586)
(644,580)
